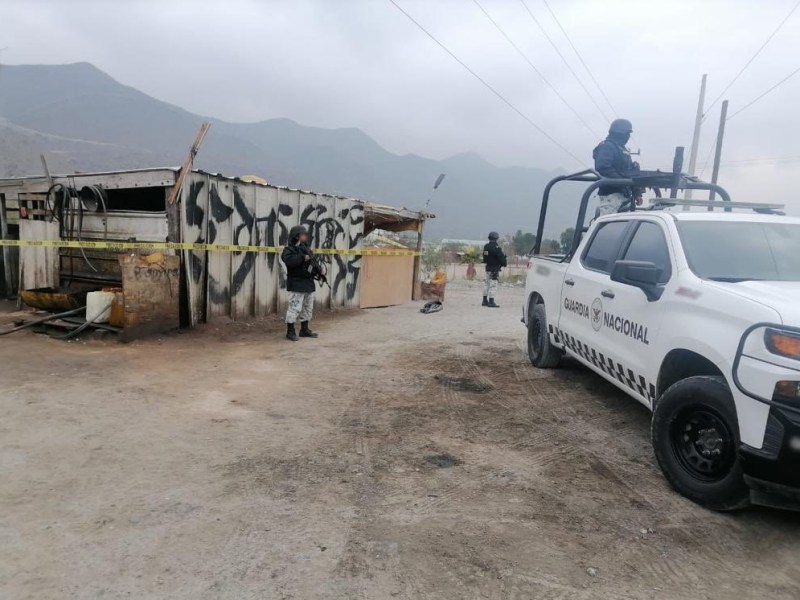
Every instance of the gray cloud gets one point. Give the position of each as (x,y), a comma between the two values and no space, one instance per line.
(361,63)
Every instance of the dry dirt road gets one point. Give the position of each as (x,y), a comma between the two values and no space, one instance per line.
(400,455)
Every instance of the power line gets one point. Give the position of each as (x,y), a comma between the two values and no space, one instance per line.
(583,62)
(748,105)
(483,81)
(752,58)
(757,98)
(555,47)
(539,73)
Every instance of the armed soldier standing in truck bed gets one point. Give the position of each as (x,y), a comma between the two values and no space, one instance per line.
(494,259)
(299,259)
(613,160)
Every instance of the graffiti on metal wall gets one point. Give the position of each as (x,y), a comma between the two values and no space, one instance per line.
(211,220)
(343,230)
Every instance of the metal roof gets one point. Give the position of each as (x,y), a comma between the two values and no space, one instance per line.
(383,213)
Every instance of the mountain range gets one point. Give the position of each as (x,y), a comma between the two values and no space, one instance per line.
(84,120)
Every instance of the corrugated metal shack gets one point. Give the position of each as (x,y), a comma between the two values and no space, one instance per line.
(212,209)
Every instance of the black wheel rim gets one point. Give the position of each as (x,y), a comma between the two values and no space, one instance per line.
(703,443)
(535,338)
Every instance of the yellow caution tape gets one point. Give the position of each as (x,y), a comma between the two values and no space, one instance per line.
(193,246)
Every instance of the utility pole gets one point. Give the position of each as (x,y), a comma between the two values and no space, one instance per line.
(723,116)
(698,122)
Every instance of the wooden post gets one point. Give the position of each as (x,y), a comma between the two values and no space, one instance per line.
(46,172)
(417,263)
(723,116)
(187,164)
(8,275)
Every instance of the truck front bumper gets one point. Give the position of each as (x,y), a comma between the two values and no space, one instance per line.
(773,471)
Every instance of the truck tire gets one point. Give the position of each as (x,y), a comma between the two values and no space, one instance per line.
(540,351)
(695,437)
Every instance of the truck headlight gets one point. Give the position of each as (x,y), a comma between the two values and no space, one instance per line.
(782,343)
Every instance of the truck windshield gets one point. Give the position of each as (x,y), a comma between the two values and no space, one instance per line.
(735,252)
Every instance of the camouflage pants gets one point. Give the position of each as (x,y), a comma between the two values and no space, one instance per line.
(301,306)
(490,284)
(609,205)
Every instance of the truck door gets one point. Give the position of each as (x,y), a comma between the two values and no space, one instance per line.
(631,323)
(586,278)
(610,326)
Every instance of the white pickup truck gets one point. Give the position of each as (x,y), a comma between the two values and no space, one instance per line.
(695,315)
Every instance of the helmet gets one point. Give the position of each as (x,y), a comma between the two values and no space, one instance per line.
(493,235)
(620,126)
(296,231)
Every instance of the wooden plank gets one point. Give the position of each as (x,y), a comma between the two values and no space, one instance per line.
(417,263)
(328,229)
(266,285)
(288,217)
(243,263)
(386,280)
(194,229)
(337,272)
(220,231)
(8,268)
(38,267)
(355,235)
(310,208)
(187,164)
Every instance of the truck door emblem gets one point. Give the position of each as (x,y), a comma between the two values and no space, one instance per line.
(597,314)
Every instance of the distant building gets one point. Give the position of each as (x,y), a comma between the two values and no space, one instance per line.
(449,242)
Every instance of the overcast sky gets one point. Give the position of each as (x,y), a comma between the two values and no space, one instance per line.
(362,63)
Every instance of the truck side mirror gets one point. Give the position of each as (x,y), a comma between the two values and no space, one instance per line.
(641,274)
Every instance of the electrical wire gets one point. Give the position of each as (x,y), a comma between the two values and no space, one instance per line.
(707,160)
(563,58)
(486,84)
(752,58)
(583,62)
(745,107)
(535,70)
(80,230)
(757,98)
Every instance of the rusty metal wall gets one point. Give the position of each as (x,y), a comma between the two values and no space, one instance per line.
(219,210)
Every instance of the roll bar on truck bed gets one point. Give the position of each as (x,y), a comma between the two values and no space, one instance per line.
(655,180)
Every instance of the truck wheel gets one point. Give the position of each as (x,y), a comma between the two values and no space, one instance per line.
(696,442)
(540,351)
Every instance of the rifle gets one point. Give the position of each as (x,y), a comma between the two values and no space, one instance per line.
(319,270)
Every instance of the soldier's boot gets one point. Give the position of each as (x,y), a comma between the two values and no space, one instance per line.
(306,332)
(485,301)
(291,334)
(492,304)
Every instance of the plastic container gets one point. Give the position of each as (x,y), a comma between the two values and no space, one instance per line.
(98,306)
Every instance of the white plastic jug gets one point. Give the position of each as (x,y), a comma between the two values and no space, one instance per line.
(98,306)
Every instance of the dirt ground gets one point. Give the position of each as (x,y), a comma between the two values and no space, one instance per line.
(400,455)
